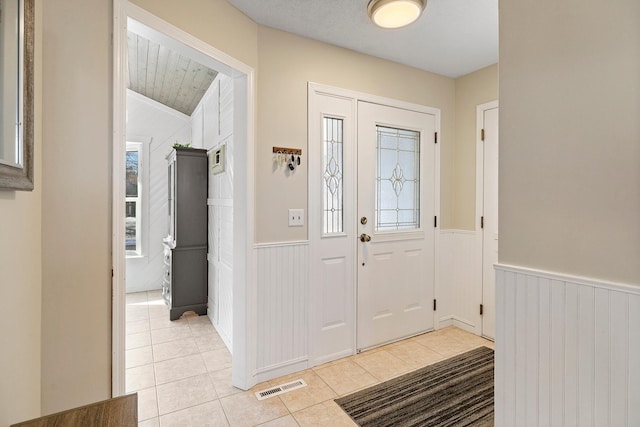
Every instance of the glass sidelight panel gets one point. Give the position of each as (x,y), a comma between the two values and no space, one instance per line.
(332,169)
(133,199)
(397,179)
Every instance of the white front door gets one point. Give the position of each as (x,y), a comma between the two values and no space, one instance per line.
(395,220)
(489,219)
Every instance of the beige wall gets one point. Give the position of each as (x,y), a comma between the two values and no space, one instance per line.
(20,279)
(76,217)
(472,90)
(215,22)
(287,63)
(570,137)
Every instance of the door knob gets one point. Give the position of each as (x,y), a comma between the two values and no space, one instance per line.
(365,238)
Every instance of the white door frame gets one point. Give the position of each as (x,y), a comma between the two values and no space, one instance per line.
(244,274)
(480,110)
(314,191)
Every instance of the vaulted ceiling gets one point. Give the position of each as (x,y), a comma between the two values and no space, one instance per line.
(165,75)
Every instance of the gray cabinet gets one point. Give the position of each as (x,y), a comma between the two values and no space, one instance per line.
(185,249)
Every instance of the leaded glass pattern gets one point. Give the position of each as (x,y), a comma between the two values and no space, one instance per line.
(332,172)
(397,179)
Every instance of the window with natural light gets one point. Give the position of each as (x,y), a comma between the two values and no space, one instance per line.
(133,209)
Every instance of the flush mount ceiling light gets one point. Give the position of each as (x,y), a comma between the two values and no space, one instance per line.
(395,13)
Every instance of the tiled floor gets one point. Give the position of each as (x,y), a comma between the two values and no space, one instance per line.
(182,373)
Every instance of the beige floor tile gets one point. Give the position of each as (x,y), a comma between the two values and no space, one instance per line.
(138,357)
(287,421)
(207,414)
(345,377)
(183,394)
(217,359)
(136,312)
(179,368)
(155,295)
(147,404)
(413,354)
(139,378)
(137,326)
(469,338)
(323,414)
(244,410)
(209,342)
(443,344)
(164,322)
(315,392)
(382,364)
(152,422)
(222,382)
(160,336)
(201,325)
(136,297)
(199,320)
(173,349)
(142,339)
(158,309)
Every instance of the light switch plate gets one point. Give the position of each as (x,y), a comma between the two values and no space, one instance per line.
(296,217)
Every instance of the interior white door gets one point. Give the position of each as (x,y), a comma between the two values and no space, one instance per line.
(396,214)
(490,220)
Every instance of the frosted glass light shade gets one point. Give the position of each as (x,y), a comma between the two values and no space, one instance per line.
(395,13)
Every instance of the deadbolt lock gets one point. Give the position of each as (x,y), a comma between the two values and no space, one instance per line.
(363,220)
(365,238)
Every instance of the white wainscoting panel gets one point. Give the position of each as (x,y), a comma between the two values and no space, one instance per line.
(220,203)
(567,350)
(283,282)
(459,288)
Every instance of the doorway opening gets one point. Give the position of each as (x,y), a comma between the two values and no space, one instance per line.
(154,113)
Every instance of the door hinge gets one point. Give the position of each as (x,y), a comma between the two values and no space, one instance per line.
(435,305)
(112,272)
(435,140)
(481,222)
(435,222)
(482,135)
(481,309)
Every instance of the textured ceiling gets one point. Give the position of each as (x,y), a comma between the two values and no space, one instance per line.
(452,38)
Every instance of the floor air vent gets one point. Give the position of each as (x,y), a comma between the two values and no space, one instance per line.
(282,388)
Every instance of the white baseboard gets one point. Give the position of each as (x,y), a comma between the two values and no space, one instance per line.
(285,368)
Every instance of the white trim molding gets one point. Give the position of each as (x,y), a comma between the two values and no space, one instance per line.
(567,350)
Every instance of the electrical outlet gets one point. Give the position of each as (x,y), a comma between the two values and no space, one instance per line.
(296,217)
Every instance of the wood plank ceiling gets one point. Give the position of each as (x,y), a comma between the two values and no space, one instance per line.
(166,76)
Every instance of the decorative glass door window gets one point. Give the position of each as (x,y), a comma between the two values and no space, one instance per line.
(397,179)
(133,210)
(332,184)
